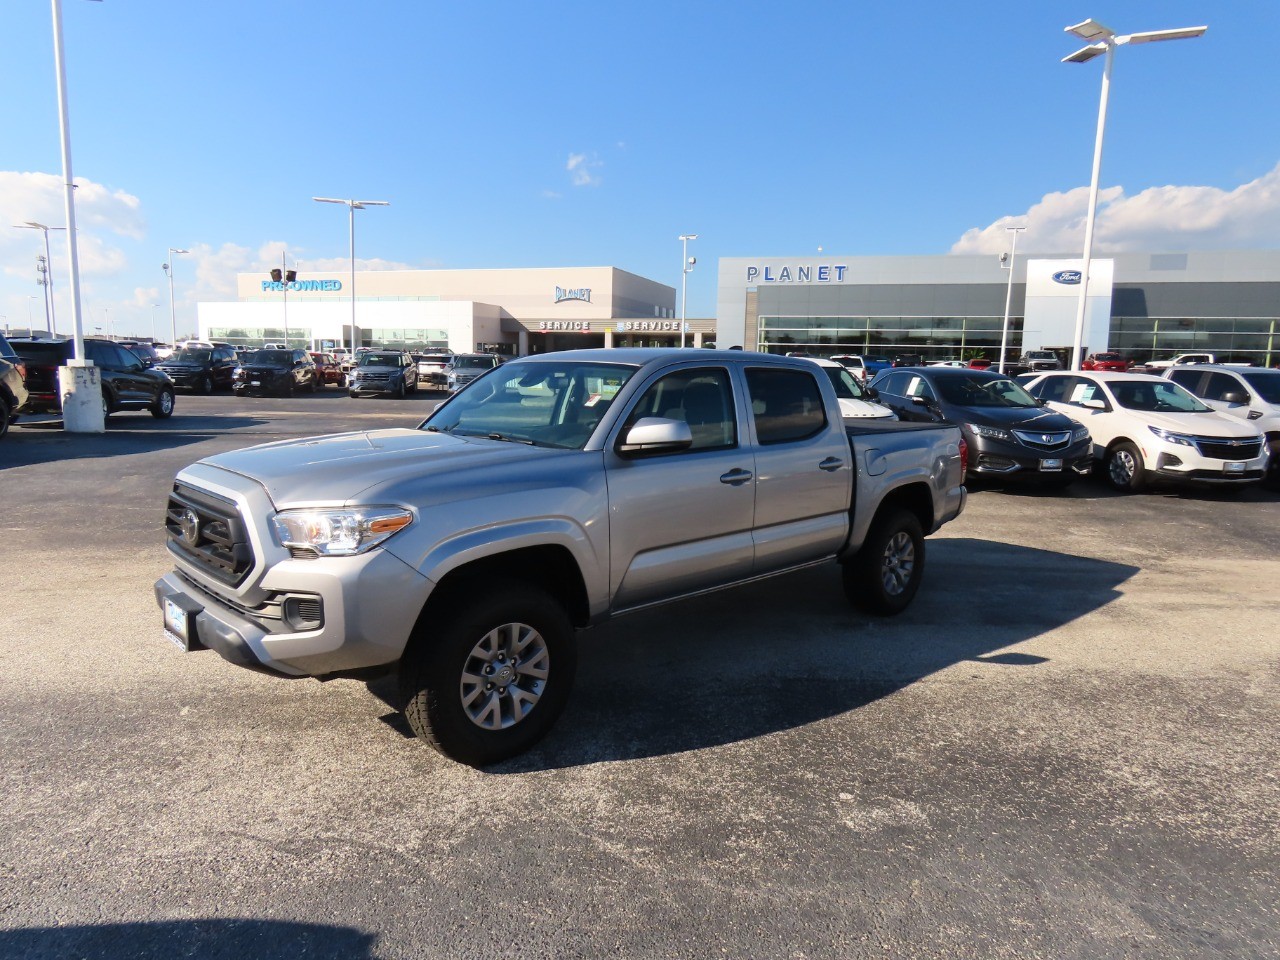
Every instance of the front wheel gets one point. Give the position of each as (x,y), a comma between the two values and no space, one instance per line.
(492,680)
(4,416)
(162,408)
(883,577)
(206,385)
(1125,471)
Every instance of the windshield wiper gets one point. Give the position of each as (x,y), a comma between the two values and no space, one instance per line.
(501,436)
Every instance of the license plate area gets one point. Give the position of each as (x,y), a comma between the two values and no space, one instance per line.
(1234,467)
(180,622)
(1051,466)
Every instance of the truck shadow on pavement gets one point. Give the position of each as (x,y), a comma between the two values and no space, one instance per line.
(731,666)
(28,444)
(202,939)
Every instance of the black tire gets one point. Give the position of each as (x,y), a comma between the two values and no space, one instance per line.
(107,407)
(162,408)
(288,387)
(460,717)
(1124,469)
(400,390)
(883,577)
(205,385)
(5,414)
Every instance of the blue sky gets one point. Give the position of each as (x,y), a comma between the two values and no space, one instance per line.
(513,134)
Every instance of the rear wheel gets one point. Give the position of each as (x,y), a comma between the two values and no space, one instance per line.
(1125,471)
(162,408)
(106,404)
(491,682)
(5,413)
(885,574)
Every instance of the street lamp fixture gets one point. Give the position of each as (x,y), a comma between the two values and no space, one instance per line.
(352,207)
(47,279)
(173,316)
(686,268)
(1103,41)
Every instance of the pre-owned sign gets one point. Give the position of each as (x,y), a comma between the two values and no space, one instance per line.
(303,286)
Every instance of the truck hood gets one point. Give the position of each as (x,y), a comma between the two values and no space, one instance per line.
(337,469)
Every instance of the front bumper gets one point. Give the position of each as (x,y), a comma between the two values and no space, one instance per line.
(997,458)
(377,388)
(367,607)
(1186,464)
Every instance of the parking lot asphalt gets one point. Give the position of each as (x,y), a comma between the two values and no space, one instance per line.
(1067,747)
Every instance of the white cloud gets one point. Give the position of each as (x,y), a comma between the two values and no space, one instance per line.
(580,167)
(1158,218)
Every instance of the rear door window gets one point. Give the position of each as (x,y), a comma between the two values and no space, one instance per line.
(785,404)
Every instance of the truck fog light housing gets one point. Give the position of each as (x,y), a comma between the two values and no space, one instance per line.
(340,532)
(303,613)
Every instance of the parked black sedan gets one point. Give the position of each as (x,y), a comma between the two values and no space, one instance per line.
(275,371)
(1010,433)
(201,369)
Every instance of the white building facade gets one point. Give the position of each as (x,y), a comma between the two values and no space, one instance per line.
(506,311)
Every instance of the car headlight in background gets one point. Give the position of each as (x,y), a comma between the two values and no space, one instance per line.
(990,433)
(340,533)
(1170,437)
(1079,433)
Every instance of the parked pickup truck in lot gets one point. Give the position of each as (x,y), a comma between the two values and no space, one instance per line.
(1187,358)
(550,494)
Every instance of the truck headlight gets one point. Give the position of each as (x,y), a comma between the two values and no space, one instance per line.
(339,533)
(1170,437)
(990,433)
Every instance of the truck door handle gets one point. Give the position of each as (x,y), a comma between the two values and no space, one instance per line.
(736,478)
(831,463)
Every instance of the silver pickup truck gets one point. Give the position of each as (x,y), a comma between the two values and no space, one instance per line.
(552,493)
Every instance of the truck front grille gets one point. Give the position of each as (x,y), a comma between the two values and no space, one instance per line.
(208,531)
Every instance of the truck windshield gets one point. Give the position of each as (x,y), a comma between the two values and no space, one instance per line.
(546,404)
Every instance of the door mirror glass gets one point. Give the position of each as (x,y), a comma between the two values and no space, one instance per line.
(1235,396)
(1094,404)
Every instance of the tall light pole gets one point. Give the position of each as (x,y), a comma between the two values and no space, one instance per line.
(352,207)
(686,268)
(1008,296)
(1103,40)
(173,316)
(47,282)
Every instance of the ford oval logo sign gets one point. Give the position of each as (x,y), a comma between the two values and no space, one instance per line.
(1067,276)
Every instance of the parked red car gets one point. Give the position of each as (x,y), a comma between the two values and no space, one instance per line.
(1106,361)
(979,363)
(327,369)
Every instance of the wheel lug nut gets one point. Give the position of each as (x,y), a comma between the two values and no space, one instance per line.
(502,691)
(488,686)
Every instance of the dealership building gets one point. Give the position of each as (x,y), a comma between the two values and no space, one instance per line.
(506,311)
(1144,305)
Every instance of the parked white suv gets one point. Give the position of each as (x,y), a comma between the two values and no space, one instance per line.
(855,402)
(1146,427)
(1249,393)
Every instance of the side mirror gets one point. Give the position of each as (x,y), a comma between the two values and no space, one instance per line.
(1235,396)
(1094,404)
(872,393)
(921,402)
(652,435)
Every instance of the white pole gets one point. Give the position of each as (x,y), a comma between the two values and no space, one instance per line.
(64,124)
(173,317)
(48,287)
(1008,296)
(284,276)
(684,285)
(1077,343)
(351,213)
